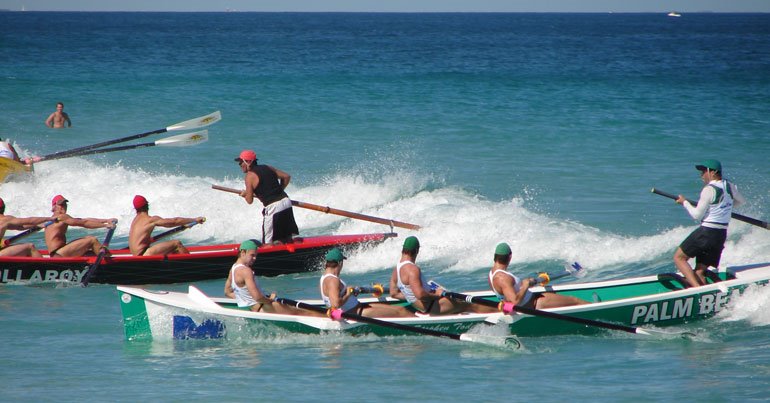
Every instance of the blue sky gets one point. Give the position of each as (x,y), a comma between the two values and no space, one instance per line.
(394,5)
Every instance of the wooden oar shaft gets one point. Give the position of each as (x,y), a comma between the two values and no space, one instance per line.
(335,211)
(739,217)
(373,321)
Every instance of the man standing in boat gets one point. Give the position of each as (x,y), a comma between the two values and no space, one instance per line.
(242,285)
(515,292)
(339,298)
(57,119)
(140,234)
(8,222)
(56,233)
(407,283)
(268,184)
(714,209)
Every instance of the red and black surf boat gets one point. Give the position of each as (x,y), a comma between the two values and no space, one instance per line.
(203,263)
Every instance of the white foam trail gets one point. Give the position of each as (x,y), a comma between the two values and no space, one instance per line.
(753,306)
(459,230)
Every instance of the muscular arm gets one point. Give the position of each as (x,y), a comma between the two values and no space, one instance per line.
(394,291)
(283,177)
(228,285)
(174,222)
(252,181)
(254,290)
(504,283)
(332,290)
(90,223)
(67,119)
(27,222)
(49,121)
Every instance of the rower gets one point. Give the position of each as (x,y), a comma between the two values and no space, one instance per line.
(140,234)
(515,292)
(18,223)
(56,233)
(339,298)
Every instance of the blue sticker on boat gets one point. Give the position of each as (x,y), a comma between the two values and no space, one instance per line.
(185,328)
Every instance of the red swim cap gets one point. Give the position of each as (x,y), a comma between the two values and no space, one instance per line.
(247,155)
(58,199)
(139,201)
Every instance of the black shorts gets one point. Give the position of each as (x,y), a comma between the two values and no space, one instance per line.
(705,245)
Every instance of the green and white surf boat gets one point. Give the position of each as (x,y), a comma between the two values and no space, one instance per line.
(637,305)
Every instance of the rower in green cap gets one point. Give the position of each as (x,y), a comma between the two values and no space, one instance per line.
(714,208)
(407,283)
(513,291)
(339,298)
(242,285)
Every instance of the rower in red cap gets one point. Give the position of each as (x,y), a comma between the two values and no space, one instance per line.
(268,184)
(56,233)
(140,235)
(17,223)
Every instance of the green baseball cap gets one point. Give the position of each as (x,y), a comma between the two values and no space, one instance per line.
(335,255)
(249,244)
(502,249)
(712,165)
(411,243)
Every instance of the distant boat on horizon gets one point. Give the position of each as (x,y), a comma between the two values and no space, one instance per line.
(674,14)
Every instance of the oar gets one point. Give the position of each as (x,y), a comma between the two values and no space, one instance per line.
(25,233)
(375,289)
(331,210)
(100,256)
(557,316)
(574,269)
(180,140)
(739,217)
(191,124)
(173,231)
(511,341)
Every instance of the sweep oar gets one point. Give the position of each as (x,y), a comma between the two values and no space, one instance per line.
(100,256)
(474,338)
(173,231)
(331,210)
(504,307)
(25,233)
(180,140)
(191,124)
(739,217)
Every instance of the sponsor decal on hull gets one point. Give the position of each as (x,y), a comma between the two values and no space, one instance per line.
(37,276)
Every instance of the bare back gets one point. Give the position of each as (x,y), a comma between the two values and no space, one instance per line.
(140,234)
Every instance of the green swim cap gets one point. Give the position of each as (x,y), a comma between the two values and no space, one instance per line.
(411,243)
(249,244)
(502,249)
(712,165)
(335,255)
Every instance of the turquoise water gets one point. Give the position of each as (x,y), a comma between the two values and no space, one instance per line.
(543,130)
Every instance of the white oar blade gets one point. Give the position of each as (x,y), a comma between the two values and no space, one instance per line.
(511,342)
(673,334)
(197,123)
(184,140)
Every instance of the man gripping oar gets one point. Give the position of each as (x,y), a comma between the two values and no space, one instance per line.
(140,240)
(56,234)
(268,184)
(18,223)
(514,291)
(715,206)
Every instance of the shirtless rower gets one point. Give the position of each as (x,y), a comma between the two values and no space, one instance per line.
(140,234)
(8,222)
(56,233)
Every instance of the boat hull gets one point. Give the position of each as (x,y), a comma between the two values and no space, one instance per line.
(658,301)
(10,168)
(203,263)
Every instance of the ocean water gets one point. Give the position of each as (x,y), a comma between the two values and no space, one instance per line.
(543,130)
